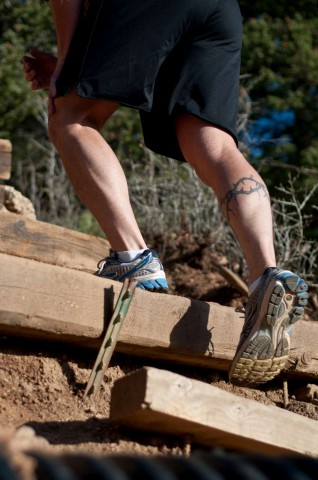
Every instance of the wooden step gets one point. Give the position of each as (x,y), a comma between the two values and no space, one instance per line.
(160,401)
(62,304)
(50,243)
(2,197)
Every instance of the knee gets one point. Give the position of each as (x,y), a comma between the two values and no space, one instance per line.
(216,160)
(211,156)
(60,129)
(202,143)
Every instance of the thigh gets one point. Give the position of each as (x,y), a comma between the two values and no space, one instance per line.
(118,49)
(200,77)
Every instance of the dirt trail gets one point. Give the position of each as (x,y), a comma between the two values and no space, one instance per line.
(41,385)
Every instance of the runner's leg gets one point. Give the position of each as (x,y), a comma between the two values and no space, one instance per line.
(93,168)
(242,194)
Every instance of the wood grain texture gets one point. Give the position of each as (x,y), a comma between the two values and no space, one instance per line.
(161,401)
(2,196)
(50,243)
(62,304)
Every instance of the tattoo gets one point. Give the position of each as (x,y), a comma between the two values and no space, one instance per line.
(244,186)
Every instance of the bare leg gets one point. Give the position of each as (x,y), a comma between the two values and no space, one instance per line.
(93,168)
(241,192)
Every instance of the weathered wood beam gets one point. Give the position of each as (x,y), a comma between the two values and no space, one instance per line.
(161,401)
(47,301)
(50,243)
(2,193)
(5,159)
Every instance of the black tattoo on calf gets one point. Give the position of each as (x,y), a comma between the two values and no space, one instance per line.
(244,186)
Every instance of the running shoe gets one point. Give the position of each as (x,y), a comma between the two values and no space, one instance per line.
(274,306)
(146,270)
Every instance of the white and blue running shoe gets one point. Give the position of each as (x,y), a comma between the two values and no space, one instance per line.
(275,305)
(146,270)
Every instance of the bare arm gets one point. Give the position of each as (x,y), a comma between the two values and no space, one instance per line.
(43,69)
(66,15)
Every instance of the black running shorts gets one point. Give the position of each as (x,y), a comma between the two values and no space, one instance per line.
(163,57)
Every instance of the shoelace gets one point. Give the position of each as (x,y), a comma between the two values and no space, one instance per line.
(101,264)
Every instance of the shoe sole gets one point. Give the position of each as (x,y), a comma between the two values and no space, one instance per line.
(153,287)
(155,282)
(265,352)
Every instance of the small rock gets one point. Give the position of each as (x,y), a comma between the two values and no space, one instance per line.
(308,394)
(15,202)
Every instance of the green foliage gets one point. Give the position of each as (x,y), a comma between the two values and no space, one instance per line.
(87,223)
(294,250)
(280,59)
(283,8)
(123,133)
(280,73)
(37,170)
(22,25)
(22,111)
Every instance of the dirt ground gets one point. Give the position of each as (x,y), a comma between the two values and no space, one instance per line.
(41,385)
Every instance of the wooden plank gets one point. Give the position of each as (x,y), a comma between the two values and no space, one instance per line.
(49,243)
(46,301)
(161,401)
(5,159)
(1,198)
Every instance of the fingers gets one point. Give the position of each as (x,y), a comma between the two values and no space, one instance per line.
(29,67)
(35,85)
(31,75)
(28,63)
(38,71)
(39,55)
(41,70)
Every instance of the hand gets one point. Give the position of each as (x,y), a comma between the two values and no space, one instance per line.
(39,68)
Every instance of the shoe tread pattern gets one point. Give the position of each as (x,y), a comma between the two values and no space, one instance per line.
(263,358)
